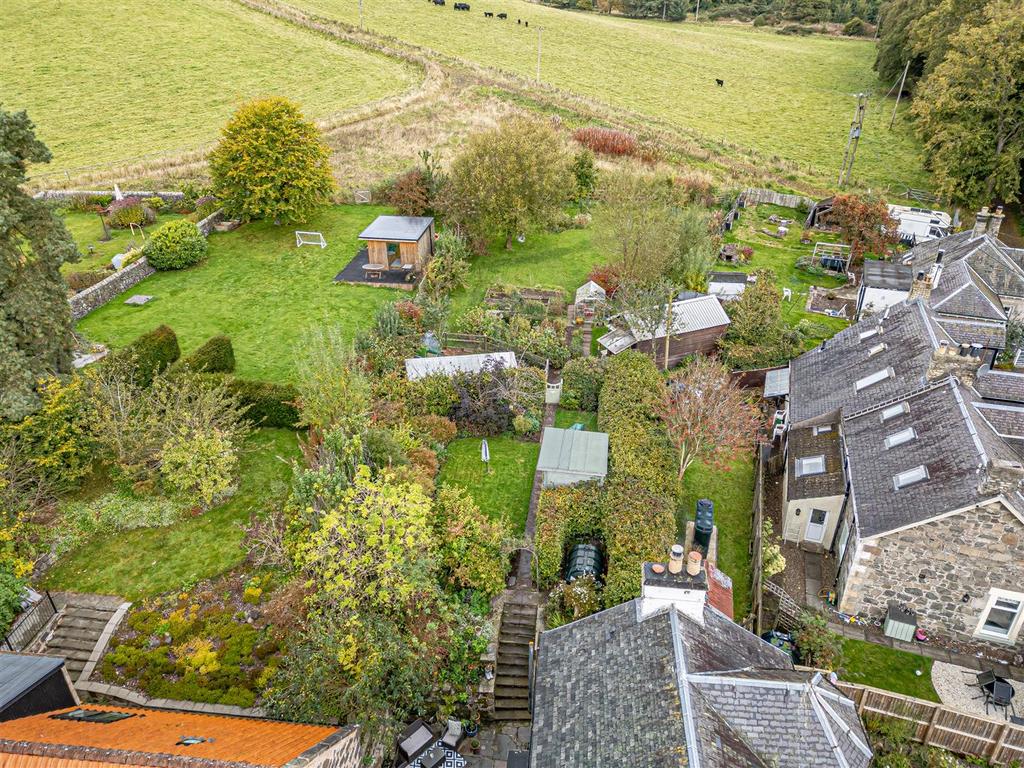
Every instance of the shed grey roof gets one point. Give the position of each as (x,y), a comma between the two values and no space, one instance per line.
(950,440)
(397,229)
(449,365)
(804,443)
(573,451)
(824,380)
(19,673)
(613,690)
(885,274)
(1000,385)
(727,277)
(689,315)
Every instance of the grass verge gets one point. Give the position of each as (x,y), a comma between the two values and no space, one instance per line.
(882,667)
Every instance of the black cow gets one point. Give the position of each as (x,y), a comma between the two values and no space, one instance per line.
(461,6)
(502,15)
(438,2)
(720,83)
(488,14)
(526,23)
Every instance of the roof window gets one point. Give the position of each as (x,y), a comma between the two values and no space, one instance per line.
(911,476)
(188,741)
(894,410)
(874,378)
(864,335)
(92,716)
(822,429)
(810,465)
(877,349)
(901,437)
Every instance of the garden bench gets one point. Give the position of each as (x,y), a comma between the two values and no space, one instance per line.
(309,238)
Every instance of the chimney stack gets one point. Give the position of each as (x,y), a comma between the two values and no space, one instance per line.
(996,222)
(921,288)
(675,560)
(684,586)
(982,219)
(962,361)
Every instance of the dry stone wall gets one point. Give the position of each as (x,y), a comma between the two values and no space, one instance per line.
(96,296)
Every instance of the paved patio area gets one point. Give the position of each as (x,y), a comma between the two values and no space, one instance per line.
(495,743)
(957,688)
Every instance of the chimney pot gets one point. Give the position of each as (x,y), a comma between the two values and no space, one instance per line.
(675,559)
(693,563)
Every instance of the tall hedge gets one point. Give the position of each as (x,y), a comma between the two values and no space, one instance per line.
(640,526)
(152,352)
(565,514)
(582,378)
(215,356)
(269,404)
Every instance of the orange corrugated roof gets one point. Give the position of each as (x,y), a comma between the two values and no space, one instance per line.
(250,740)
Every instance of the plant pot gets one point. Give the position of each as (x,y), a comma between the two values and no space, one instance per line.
(474,746)
(472,728)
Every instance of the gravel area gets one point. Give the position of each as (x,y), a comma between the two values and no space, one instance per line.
(957,688)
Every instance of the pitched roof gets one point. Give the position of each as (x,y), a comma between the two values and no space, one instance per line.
(803,443)
(998,265)
(397,229)
(886,275)
(150,738)
(590,291)
(988,334)
(961,291)
(19,673)
(688,315)
(573,451)
(681,694)
(937,431)
(449,365)
(1000,385)
(901,340)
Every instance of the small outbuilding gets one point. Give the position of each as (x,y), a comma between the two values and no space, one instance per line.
(570,456)
(402,242)
(31,684)
(450,365)
(590,293)
(727,286)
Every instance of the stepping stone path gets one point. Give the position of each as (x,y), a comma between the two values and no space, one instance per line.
(138,300)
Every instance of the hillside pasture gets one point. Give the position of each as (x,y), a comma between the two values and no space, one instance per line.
(108,82)
(785,96)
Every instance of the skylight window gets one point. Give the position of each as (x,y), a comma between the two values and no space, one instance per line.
(894,410)
(911,476)
(188,741)
(877,349)
(901,437)
(810,465)
(92,716)
(874,378)
(824,429)
(865,335)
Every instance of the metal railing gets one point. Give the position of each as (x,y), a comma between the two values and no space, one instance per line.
(29,624)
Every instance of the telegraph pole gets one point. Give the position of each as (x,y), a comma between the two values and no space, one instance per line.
(853,139)
(696,14)
(899,93)
(539,30)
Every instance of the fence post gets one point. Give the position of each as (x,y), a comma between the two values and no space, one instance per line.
(998,747)
(931,726)
(860,701)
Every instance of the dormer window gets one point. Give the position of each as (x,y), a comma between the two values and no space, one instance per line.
(894,410)
(901,437)
(874,378)
(823,429)
(810,465)
(877,349)
(911,476)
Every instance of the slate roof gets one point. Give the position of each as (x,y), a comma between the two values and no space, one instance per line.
(1007,421)
(885,274)
(961,291)
(951,441)
(998,265)
(803,443)
(397,229)
(991,335)
(1000,385)
(822,381)
(19,673)
(614,690)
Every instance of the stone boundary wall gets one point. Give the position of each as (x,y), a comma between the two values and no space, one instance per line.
(95,296)
(66,194)
(132,698)
(206,225)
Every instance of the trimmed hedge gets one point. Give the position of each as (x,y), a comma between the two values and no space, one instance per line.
(215,356)
(176,245)
(640,526)
(565,514)
(269,404)
(153,353)
(582,378)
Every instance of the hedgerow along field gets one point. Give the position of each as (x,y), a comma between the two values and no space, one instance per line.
(108,82)
(783,95)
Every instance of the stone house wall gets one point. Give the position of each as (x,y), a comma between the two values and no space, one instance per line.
(95,296)
(933,566)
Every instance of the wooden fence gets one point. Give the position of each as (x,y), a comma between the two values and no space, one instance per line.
(770,196)
(756,544)
(935,725)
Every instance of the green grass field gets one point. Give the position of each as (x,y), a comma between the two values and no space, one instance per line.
(784,95)
(732,491)
(505,491)
(146,562)
(87,231)
(259,289)
(565,418)
(882,667)
(107,82)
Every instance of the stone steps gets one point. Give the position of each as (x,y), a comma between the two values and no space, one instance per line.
(76,632)
(511,691)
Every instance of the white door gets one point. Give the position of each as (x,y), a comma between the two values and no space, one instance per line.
(816,526)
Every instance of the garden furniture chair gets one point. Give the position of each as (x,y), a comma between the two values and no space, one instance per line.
(452,734)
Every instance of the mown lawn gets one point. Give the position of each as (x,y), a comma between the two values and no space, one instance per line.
(142,563)
(565,418)
(259,289)
(107,82)
(732,491)
(559,260)
(786,96)
(883,667)
(781,257)
(504,492)
(87,232)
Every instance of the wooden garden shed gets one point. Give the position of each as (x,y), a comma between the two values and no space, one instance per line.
(399,242)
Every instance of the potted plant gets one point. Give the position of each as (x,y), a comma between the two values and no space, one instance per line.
(474,745)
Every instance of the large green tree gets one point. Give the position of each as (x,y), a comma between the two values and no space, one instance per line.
(271,163)
(895,47)
(970,109)
(509,180)
(35,321)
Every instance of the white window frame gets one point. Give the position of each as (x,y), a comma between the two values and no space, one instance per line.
(897,485)
(995,594)
(873,378)
(823,429)
(900,438)
(895,411)
(864,335)
(799,466)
